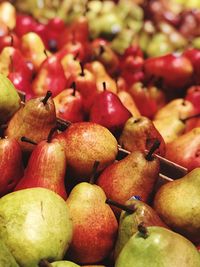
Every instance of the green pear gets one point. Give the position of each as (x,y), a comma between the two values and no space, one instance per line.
(35,224)
(6,258)
(178,204)
(158,247)
(129,222)
(9,99)
(169,127)
(64,264)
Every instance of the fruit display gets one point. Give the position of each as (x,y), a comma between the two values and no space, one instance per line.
(99,133)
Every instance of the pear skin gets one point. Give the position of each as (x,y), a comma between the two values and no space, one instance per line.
(94,224)
(34,120)
(159,248)
(178,202)
(133,175)
(128,223)
(184,150)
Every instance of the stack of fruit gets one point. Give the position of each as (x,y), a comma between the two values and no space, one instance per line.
(100,144)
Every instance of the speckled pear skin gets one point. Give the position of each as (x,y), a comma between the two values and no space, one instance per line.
(161,248)
(35,224)
(6,258)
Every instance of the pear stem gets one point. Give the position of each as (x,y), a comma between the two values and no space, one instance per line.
(143,230)
(74,88)
(46,98)
(62,125)
(155,145)
(44,263)
(129,209)
(190,117)
(104,86)
(101,50)
(11,40)
(94,172)
(27,140)
(45,52)
(51,133)
(76,55)
(82,69)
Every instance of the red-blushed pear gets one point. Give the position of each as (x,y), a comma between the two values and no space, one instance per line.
(133,213)
(11,166)
(69,105)
(10,39)
(35,119)
(193,55)
(12,60)
(193,95)
(185,150)
(46,167)
(134,175)
(85,142)
(21,83)
(140,134)
(32,48)
(50,76)
(101,75)
(179,67)
(86,85)
(94,224)
(108,110)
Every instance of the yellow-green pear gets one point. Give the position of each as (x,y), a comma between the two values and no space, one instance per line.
(35,224)
(178,205)
(156,246)
(9,99)
(6,258)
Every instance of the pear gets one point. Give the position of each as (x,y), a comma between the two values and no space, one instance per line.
(136,174)
(6,258)
(138,212)
(156,246)
(85,142)
(9,99)
(184,150)
(178,202)
(34,120)
(179,108)
(35,224)
(139,134)
(94,224)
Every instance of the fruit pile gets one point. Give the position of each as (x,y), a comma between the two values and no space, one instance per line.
(100,135)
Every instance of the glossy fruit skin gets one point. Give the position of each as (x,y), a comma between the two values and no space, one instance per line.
(11,166)
(108,110)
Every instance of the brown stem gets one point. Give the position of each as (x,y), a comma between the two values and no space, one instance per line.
(190,117)
(44,263)
(155,146)
(62,125)
(73,85)
(12,64)
(104,86)
(46,98)
(94,172)
(129,209)
(45,52)
(143,230)
(82,69)
(76,56)
(51,133)
(27,140)
(101,50)
(11,40)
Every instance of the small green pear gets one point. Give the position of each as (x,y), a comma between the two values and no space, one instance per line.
(6,258)
(9,99)
(156,246)
(35,224)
